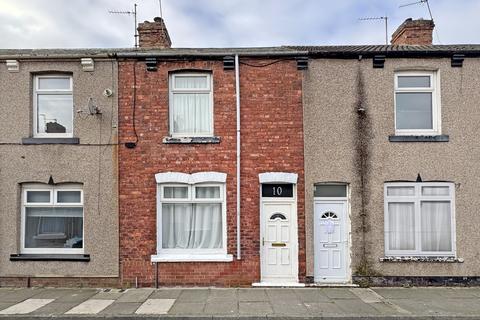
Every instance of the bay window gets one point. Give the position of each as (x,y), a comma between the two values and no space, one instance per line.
(419,219)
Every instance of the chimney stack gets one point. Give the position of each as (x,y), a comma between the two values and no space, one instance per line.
(154,34)
(414,32)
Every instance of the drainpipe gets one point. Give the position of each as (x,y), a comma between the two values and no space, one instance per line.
(237,91)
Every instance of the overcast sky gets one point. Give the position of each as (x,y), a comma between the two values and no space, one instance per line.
(227,23)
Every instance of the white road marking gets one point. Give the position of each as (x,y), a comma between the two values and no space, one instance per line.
(26,306)
(92,306)
(155,306)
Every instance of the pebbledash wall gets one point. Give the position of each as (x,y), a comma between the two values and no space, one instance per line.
(333,91)
(90,162)
(272,140)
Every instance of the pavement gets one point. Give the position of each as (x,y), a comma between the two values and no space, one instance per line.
(240,303)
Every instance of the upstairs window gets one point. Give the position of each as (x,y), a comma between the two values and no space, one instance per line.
(191,105)
(52,219)
(417,103)
(419,219)
(53,106)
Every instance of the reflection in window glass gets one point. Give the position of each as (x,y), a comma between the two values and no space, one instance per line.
(54,113)
(414,110)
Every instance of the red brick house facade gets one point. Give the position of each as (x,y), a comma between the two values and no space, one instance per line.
(271,141)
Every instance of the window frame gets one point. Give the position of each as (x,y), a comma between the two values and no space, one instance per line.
(191,253)
(52,203)
(171,92)
(37,91)
(417,199)
(434,89)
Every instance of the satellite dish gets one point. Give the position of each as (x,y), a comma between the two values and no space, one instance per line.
(92,108)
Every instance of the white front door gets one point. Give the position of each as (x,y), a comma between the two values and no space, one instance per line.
(279,243)
(331,241)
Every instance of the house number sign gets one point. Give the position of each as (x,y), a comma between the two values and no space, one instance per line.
(279,190)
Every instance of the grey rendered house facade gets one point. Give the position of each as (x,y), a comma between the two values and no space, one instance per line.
(58,168)
(390,164)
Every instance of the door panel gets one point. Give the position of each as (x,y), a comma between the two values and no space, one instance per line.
(331,241)
(277,247)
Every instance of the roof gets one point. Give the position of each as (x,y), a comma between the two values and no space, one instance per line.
(145,52)
(353,51)
(337,51)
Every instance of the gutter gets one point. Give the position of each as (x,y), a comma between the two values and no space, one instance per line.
(167,54)
(237,94)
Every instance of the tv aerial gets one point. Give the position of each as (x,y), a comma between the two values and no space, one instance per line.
(130,13)
(385,18)
(419,2)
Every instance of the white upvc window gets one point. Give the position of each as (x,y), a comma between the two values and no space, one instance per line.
(192,221)
(420,219)
(191,104)
(417,103)
(52,219)
(52,106)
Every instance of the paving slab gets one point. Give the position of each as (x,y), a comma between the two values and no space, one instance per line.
(18,295)
(187,308)
(255,308)
(338,293)
(90,307)
(255,294)
(108,295)
(223,294)
(26,306)
(194,295)
(53,293)
(54,308)
(78,295)
(135,295)
(323,309)
(4,305)
(155,306)
(122,308)
(288,307)
(221,307)
(356,307)
(311,295)
(166,293)
(367,295)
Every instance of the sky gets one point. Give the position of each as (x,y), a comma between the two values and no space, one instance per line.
(228,23)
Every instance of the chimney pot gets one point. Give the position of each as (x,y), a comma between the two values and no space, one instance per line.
(414,32)
(154,34)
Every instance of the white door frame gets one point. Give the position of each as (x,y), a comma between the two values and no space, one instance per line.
(348,233)
(293,234)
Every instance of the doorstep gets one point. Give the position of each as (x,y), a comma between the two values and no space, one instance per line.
(332,285)
(278,285)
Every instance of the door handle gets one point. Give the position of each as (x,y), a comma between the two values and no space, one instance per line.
(279,244)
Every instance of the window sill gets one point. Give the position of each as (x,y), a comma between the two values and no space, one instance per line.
(190,140)
(422,259)
(437,138)
(192,258)
(50,257)
(50,140)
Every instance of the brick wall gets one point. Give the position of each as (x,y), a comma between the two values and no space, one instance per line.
(272,140)
(414,32)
